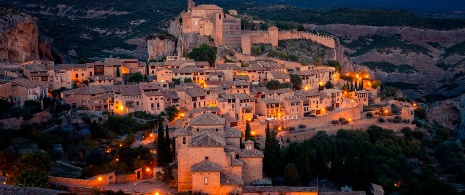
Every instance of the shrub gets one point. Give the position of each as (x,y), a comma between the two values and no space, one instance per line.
(381,120)
(334,122)
(369,115)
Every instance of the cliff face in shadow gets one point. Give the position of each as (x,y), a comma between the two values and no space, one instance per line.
(19,36)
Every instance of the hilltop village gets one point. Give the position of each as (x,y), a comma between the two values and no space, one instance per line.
(214,102)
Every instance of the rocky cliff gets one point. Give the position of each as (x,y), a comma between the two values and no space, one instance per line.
(449,113)
(19,36)
(20,40)
(174,42)
(406,56)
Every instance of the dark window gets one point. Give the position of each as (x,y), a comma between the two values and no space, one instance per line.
(206,158)
(237,156)
(183,140)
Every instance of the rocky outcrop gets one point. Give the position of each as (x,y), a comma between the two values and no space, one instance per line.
(449,113)
(19,36)
(160,47)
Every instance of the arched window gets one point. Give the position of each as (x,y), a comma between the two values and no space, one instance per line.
(184,140)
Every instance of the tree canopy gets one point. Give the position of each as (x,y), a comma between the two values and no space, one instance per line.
(204,53)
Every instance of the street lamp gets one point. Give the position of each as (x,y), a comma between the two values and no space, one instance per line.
(100,181)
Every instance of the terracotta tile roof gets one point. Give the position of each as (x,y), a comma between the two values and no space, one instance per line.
(195,92)
(182,132)
(217,90)
(292,99)
(216,73)
(304,73)
(236,162)
(270,101)
(9,189)
(156,64)
(226,67)
(279,75)
(243,96)
(204,110)
(104,96)
(242,77)
(36,68)
(149,86)
(207,118)
(231,132)
(128,90)
(228,179)
(283,90)
(153,93)
(208,6)
(206,166)
(210,83)
(201,63)
(206,139)
(279,189)
(254,153)
(25,83)
(171,94)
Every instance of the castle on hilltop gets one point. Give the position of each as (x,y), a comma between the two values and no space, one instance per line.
(225,29)
(210,20)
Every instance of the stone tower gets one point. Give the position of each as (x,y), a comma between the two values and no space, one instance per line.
(246,44)
(274,35)
(218,22)
(190,5)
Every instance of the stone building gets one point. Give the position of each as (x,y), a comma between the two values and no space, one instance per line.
(210,20)
(210,160)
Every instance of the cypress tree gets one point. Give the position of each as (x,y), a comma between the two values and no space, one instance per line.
(305,169)
(320,168)
(351,86)
(118,74)
(336,167)
(160,144)
(247,131)
(362,182)
(361,85)
(168,153)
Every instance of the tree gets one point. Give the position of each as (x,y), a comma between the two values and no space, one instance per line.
(247,131)
(345,87)
(296,81)
(39,161)
(375,84)
(361,182)
(176,81)
(305,166)
(336,167)
(171,111)
(273,85)
(256,51)
(167,174)
(136,77)
(302,126)
(320,168)
(33,178)
(96,156)
(160,144)
(187,80)
(204,53)
(271,154)
(291,175)
(9,161)
(168,155)
(118,73)
(329,85)
(369,115)
(334,64)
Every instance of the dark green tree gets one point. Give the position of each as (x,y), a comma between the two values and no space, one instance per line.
(329,85)
(187,80)
(168,154)
(204,53)
(296,81)
(273,85)
(248,131)
(321,168)
(345,87)
(336,167)
(33,178)
(272,153)
(304,170)
(39,161)
(291,175)
(176,81)
(160,144)
(136,77)
(118,73)
(171,111)
(361,182)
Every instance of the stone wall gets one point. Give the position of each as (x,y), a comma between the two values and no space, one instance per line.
(272,36)
(106,179)
(252,170)
(159,48)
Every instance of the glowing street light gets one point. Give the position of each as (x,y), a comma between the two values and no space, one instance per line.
(100,181)
(147,169)
(306,87)
(279,128)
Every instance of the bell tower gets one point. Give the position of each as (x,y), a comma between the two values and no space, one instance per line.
(190,5)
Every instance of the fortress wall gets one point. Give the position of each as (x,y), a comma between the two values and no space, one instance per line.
(91,182)
(322,39)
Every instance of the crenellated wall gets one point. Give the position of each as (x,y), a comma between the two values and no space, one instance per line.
(273,36)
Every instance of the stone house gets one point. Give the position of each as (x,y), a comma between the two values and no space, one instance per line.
(20,90)
(269,107)
(210,160)
(239,106)
(84,96)
(360,96)
(408,114)
(280,76)
(293,107)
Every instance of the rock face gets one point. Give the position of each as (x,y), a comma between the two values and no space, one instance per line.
(175,42)
(158,48)
(19,36)
(449,113)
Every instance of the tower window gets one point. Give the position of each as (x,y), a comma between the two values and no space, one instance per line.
(184,140)
(206,158)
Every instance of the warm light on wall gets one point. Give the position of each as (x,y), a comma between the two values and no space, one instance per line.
(147,169)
